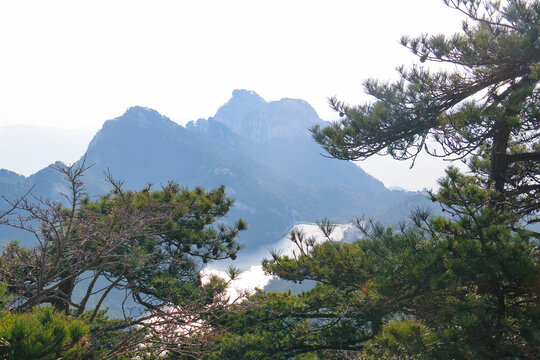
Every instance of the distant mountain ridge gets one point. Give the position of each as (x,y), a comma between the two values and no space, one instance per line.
(262,151)
(248,115)
(40,145)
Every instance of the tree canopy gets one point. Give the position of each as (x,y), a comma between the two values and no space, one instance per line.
(144,248)
(482,104)
(460,286)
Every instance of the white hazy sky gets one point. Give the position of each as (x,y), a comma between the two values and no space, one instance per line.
(74,64)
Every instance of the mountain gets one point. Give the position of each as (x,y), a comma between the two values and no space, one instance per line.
(248,115)
(262,151)
(280,130)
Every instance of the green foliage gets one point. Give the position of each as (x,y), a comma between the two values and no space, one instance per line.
(4,297)
(485,107)
(463,286)
(277,326)
(148,245)
(439,288)
(103,338)
(42,333)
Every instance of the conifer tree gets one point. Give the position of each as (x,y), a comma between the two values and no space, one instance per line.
(42,333)
(485,108)
(464,286)
(146,248)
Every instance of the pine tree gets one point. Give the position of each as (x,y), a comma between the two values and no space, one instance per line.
(148,246)
(42,333)
(485,108)
(464,286)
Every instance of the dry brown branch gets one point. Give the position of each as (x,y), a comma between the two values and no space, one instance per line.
(149,245)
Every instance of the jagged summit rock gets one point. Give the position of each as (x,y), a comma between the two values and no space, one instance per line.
(248,115)
(132,126)
(140,116)
(143,114)
(241,103)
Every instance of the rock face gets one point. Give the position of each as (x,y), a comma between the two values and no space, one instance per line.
(279,132)
(262,151)
(248,115)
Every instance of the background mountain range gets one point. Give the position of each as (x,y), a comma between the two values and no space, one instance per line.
(25,149)
(262,151)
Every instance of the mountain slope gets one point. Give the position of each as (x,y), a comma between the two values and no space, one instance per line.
(261,151)
(280,133)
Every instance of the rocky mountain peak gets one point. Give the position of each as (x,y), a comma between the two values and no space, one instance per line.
(246,96)
(136,119)
(141,114)
(248,115)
